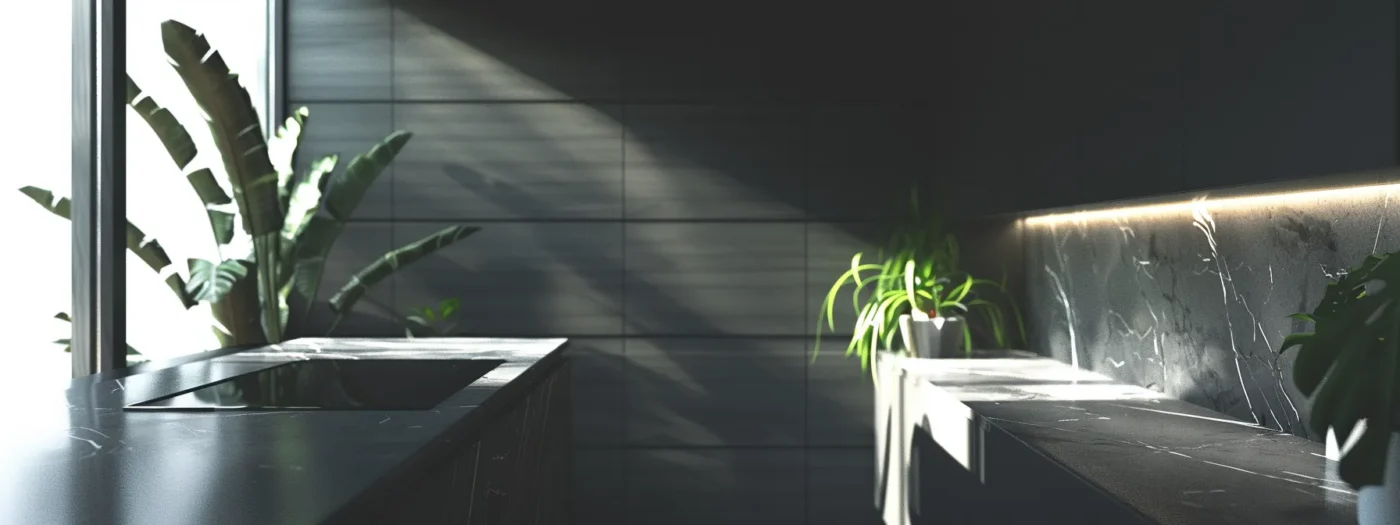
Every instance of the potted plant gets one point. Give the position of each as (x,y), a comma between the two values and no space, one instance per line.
(430,322)
(917,290)
(276,229)
(1348,366)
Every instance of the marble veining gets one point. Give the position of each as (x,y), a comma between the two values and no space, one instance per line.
(73,455)
(1193,301)
(1172,461)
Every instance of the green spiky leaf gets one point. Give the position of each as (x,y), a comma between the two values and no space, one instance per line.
(305,197)
(211,282)
(172,135)
(350,293)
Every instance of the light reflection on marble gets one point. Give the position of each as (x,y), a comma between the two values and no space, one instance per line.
(1173,461)
(1193,302)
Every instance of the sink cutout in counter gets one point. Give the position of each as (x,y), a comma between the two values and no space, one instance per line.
(332,384)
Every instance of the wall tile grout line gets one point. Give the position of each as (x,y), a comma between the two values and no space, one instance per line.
(807,130)
(776,103)
(624,476)
(595,220)
(394,298)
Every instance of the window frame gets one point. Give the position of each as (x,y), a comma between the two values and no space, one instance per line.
(98,199)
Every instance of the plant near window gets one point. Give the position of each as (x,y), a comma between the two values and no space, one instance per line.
(1349,366)
(427,322)
(917,273)
(290,222)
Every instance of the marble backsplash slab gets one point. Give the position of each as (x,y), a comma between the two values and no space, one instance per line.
(1192,300)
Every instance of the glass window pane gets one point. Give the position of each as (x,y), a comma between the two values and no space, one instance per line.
(39,244)
(160,200)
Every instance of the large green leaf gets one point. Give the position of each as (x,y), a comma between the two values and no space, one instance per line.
(341,198)
(233,124)
(58,206)
(237,131)
(310,256)
(147,249)
(176,139)
(305,198)
(282,149)
(181,148)
(344,300)
(349,188)
(1348,363)
(211,282)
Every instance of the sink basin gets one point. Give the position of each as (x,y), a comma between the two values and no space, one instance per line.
(333,384)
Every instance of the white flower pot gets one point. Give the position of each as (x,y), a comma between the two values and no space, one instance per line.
(932,338)
(1380,505)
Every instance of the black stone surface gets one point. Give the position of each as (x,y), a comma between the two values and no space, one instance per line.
(1055,443)
(1193,300)
(82,458)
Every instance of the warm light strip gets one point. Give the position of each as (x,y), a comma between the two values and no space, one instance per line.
(1210,204)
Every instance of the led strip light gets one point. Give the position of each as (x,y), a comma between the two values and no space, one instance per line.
(1211,204)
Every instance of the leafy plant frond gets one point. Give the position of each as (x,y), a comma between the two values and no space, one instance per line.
(916,271)
(1349,366)
(211,282)
(147,249)
(351,292)
(292,222)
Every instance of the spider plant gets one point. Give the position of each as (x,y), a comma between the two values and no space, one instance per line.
(917,273)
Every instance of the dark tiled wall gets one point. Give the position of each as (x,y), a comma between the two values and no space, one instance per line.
(675,209)
(1196,306)
(673,186)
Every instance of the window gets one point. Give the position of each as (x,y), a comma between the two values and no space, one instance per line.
(37,263)
(160,200)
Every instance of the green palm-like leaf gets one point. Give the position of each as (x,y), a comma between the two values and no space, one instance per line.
(305,198)
(341,198)
(282,149)
(147,249)
(176,139)
(182,150)
(236,130)
(348,190)
(211,282)
(344,300)
(233,123)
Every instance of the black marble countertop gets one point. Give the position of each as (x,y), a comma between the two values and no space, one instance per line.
(81,458)
(1171,461)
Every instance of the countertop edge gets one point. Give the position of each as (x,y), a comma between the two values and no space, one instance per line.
(393,483)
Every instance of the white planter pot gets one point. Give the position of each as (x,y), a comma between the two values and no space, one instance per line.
(1380,505)
(932,338)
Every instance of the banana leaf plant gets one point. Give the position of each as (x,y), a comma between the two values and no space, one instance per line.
(1349,365)
(261,294)
(917,273)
